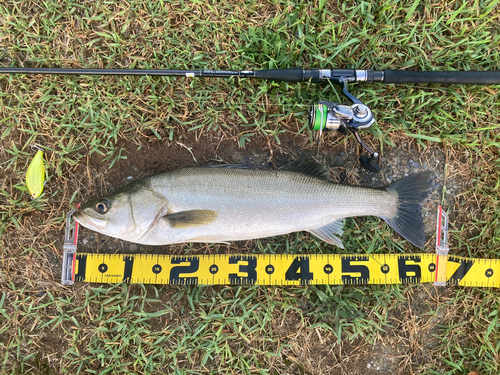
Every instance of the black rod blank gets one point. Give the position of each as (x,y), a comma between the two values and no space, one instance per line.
(126,72)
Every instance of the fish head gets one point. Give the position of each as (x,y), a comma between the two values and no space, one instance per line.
(128,213)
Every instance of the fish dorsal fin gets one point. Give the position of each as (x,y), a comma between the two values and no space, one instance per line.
(327,233)
(309,167)
(191,218)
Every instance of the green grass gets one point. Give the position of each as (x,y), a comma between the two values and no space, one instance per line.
(96,130)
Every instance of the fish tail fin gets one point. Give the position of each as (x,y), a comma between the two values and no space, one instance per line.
(412,193)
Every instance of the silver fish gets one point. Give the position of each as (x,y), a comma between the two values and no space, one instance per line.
(231,204)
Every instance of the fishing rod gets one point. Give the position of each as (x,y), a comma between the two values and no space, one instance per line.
(324,116)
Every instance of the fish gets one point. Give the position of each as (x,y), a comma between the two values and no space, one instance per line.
(225,204)
(35,175)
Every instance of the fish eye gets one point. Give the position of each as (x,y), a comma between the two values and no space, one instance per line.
(102,206)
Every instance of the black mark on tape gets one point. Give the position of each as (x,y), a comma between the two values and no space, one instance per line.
(175,272)
(360,271)
(269,269)
(328,269)
(249,269)
(299,264)
(127,270)
(103,267)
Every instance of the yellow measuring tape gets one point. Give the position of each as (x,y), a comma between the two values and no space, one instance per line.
(281,269)
(286,269)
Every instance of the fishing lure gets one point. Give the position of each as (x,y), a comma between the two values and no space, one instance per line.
(35,176)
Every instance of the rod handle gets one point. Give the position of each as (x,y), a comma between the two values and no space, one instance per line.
(287,75)
(449,77)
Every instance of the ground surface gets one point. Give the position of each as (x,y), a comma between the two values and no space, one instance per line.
(101,132)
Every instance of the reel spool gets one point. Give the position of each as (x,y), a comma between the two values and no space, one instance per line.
(323,119)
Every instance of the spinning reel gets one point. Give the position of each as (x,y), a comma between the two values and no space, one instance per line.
(343,118)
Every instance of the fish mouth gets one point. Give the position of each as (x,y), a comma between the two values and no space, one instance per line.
(89,221)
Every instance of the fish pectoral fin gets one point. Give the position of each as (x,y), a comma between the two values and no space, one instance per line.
(191,218)
(327,233)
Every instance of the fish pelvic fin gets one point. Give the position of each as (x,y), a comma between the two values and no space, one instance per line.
(412,193)
(191,218)
(327,233)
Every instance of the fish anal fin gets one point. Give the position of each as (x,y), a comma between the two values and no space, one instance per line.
(328,233)
(308,166)
(191,218)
